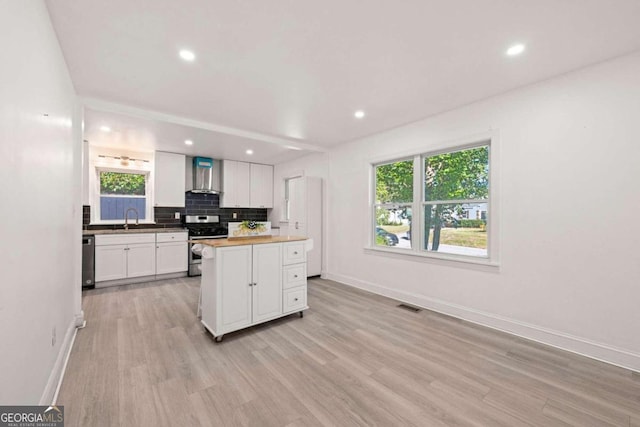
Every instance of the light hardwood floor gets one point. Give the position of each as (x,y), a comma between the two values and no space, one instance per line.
(354,359)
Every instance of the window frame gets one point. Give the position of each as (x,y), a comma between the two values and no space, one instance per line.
(95,195)
(417,252)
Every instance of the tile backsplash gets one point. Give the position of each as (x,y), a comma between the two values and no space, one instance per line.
(195,204)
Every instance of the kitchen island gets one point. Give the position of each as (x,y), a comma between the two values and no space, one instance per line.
(251,280)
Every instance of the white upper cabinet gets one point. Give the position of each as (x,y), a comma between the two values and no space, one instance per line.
(169,179)
(261,186)
(236,184)
(246,185)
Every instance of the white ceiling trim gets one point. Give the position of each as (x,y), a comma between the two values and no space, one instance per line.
(112,107)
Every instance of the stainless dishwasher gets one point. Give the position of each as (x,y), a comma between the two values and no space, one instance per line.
(88,263)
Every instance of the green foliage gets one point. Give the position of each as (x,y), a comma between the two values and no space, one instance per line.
(472,223)
(381,241)
(459,175)
(129,184)
(394,182)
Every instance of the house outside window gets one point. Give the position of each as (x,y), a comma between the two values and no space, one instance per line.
(443,210)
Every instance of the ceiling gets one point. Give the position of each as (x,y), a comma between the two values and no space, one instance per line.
(272,74)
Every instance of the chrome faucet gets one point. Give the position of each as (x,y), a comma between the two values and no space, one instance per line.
(126,217)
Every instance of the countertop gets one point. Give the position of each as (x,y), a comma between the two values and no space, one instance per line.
(222,243)
(133,230)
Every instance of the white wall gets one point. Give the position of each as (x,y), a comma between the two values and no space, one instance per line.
(570,265)
(41,204)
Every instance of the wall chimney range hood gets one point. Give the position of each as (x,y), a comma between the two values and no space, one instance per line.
(206,176)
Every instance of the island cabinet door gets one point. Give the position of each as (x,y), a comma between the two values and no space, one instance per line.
(234,287)
(267,281)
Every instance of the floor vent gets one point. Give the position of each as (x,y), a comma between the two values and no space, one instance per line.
(410,308)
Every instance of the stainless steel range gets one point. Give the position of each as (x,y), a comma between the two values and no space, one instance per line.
(202,227)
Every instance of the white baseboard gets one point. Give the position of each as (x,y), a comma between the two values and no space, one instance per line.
(594,350)
(58,368)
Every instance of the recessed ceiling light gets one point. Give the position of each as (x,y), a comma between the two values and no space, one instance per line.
(105,128)
(249,152)
(515,50)
(359,114)
(187,55)
(188,142)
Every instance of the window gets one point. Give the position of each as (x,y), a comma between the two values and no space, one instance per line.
(444,210)
(394,204)
(119,191)
(454,182)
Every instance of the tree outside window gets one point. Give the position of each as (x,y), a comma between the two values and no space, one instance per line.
(454,202)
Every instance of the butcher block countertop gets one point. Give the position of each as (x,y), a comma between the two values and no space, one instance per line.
(223,243)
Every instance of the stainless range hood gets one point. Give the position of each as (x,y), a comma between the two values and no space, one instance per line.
(206,176)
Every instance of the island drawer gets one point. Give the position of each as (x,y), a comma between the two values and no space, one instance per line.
(171,237)
(294,275)
(294,253)
(294,299)
(125,239)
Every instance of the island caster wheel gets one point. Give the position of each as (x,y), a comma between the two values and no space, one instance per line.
(218,338)
(301,314)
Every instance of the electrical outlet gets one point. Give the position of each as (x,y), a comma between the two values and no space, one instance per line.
(176,215)
(53,336)
(235,215)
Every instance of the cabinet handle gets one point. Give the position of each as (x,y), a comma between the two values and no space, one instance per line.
(295,299)
(295,276)
(295,253)
(250,284)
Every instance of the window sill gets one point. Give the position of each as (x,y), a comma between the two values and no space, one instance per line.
(435,258)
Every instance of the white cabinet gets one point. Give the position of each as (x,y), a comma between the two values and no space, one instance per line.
(246,185)
(120,257)
(294,284)
(168,181)
(234,276)
(267,281)
(141,260)
(249,284)
(124,256)
(261,186)
(172,253)
(236,184)
(305,217)
(110,262)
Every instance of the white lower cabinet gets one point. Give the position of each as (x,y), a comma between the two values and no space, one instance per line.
(172,253)
(141,260)
(110,262)
(244,285)
(119,257)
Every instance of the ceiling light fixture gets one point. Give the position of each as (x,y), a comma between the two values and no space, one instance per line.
(105,128)
(188,142)
(187,55)
(359,114)
(249,152)
(515,50)
(291,147)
